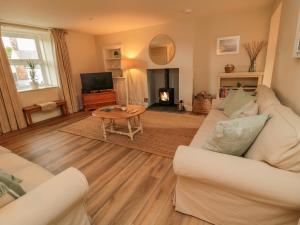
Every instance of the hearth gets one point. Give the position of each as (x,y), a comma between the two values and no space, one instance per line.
(166,94)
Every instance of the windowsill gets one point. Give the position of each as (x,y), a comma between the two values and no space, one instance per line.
(37,89)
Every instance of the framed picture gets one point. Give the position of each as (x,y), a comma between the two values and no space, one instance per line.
(228,45)
(296,52)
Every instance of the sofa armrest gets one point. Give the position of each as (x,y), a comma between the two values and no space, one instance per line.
(4,150)
(250,178)
(216,102)
(48,201)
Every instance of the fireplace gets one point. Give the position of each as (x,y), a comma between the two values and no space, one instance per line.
(166,94)
(163,88)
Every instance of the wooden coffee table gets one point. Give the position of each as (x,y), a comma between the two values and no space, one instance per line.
(113,113)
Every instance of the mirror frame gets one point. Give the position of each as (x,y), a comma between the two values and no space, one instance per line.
(173,42)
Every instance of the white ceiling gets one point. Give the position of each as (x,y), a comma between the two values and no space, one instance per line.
(110,16)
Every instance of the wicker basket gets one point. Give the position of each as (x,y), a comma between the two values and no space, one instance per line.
(202,104)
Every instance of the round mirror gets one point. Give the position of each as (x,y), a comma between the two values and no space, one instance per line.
(161,49)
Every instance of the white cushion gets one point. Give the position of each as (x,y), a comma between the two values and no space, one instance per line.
(278,143)
(207,126)
(266,98)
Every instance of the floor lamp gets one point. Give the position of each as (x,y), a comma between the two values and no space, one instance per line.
(127,66)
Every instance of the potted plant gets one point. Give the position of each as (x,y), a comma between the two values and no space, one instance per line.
(32,74)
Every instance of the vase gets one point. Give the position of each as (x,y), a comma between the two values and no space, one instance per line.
(34,84)
(252,67)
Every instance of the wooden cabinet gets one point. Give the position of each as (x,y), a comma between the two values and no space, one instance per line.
(93,101)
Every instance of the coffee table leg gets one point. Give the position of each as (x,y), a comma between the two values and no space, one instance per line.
(130,130)
(140,124)
(112,125)
(103,129)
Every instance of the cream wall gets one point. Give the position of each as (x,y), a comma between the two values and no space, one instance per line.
(250,25)
(195,41)
(135,45)
(83,58)
(286,78)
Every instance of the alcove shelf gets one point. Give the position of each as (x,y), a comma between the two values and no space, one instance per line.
(112,56)
(232,81)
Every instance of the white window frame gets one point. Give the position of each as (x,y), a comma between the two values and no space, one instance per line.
(48,81)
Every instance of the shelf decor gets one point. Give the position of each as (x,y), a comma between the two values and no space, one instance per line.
(253,49)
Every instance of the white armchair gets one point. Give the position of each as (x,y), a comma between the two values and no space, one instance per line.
(214,186)
(57,201)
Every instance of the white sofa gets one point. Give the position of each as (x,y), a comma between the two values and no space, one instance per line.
(49,199)
(262,188)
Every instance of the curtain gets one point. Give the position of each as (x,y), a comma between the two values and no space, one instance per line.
(64,69)
(136,86)
(11,113)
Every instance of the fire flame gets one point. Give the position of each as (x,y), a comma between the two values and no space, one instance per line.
(164,96)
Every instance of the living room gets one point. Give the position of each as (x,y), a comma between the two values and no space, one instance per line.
(133,112)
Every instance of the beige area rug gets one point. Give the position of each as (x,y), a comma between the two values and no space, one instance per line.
(163,132)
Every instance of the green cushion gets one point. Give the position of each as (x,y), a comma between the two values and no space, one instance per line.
(12,184)
(235,136)
(226,100)
(239,99)
(249,109)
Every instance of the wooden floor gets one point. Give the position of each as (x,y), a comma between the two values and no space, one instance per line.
(126,186)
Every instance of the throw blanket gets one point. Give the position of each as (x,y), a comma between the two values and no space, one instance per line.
(47,106)
(5,190)
(10,184)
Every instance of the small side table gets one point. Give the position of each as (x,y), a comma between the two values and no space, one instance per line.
(36,108)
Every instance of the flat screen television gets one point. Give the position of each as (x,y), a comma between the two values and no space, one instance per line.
(96,82)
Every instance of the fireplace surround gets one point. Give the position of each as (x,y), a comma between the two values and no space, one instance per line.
(163,87)
(166,94)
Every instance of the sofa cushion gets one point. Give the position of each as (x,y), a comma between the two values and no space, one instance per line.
(10,162)
(207,126)
(221,105)
(6,199)
(265,98)
(3,150)
(31,174)
(250,109)
(278,143)
(234,137)
(240,99)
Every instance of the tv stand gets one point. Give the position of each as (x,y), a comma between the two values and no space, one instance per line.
(92,101)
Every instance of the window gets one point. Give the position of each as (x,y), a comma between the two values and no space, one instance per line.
(25,47)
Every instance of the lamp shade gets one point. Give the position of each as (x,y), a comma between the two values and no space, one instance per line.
(127,64)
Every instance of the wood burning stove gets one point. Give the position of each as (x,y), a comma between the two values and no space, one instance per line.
(166,94)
